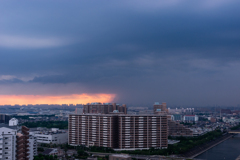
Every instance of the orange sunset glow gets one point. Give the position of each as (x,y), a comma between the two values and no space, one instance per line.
(55,99)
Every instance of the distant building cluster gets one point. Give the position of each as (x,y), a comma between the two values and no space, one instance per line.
(181,111)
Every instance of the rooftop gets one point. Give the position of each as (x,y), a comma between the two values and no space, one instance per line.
(121,155)
(7,126)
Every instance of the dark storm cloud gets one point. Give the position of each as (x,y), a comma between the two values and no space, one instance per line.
(177,51)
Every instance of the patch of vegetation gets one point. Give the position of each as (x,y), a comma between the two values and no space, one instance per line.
(27,117)
(236,127)
(82,154)
(45,157)
(40,149)
(48,124)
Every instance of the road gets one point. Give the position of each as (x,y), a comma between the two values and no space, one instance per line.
(136,156)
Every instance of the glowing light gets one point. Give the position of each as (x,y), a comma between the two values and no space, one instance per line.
(55,99)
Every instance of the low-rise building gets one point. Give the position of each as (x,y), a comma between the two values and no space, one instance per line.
(177,117)
(54,136)
(190,118)
(13,122)
(176,129)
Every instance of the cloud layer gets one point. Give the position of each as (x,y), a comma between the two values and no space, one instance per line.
(19,42)
(180,52)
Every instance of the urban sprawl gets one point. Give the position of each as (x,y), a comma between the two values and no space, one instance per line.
(112,131)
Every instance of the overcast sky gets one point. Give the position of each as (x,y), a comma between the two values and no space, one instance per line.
(175,51)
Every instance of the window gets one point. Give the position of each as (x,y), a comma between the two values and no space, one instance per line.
(6,147)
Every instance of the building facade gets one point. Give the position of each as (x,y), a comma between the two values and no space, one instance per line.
(93,130)
(177,117)
(142,131)
(79,111)
(160,108)
(176,129)
(190,118)
(8,142)
(13,122)
(118,131)
(53,136)
(15,145)
(4,118)
(104,108)
(32,146)
(23,147)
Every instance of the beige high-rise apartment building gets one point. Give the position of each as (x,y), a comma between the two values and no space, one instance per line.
(118,131)
(93,130)
(142,131)
(104,108)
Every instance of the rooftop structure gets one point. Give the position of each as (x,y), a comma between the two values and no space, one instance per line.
(160,108)
(104,108)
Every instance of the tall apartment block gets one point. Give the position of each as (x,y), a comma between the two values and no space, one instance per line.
(23,144)
(32,146)
(142,131)
(14,143)
(8,143)
(104,108)
(118,131)
(160,108)
(93,130)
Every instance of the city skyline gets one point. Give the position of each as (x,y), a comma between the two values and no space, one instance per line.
(136,53)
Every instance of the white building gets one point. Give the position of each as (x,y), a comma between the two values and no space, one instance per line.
(192,118)
(13,122)
(8,143)
(10,136)
(32,146)
(54,136)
